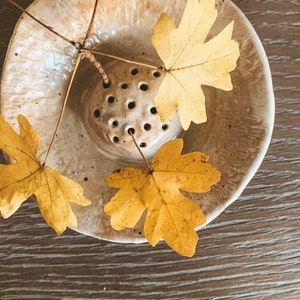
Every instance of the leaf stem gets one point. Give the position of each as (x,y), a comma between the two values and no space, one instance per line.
(140,151)
(78,58)
(97,65)
(122,59)
(40,22)
(83,48)
(91,23)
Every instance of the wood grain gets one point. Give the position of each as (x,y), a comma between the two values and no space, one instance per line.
(251,251)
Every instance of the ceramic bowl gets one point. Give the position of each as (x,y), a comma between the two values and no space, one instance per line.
(35,76)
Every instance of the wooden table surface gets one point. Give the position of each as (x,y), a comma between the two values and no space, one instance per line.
(251,251)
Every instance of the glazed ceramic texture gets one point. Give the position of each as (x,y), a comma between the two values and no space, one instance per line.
(37,69)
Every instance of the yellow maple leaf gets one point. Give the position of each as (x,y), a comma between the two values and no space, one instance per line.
(170,215)
(27,176)
(191,61)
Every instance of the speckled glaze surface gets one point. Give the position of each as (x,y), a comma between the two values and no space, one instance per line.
(36,72)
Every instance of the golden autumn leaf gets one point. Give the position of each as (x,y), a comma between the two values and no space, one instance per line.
(191,61)
(27,177)
(170,215)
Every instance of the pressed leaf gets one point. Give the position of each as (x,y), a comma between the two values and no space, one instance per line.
(27,177)
(191,61)
(170,215)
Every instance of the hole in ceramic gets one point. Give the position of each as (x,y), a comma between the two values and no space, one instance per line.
(106,85)
(111,99)
(131,105)
(147,126)
(144,87)
(115,123)
(156,74)
(115,139)
(97,113)
(164,126)
(153,110)
(131,130)
(134,71)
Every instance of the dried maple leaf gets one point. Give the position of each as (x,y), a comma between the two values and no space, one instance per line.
(27,176)
(170,215)
(191,62)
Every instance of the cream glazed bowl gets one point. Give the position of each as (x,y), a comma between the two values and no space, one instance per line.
(93,139)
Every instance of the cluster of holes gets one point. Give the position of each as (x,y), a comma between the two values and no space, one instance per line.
(143,86)
(130,105)
(131,130)
(135,71)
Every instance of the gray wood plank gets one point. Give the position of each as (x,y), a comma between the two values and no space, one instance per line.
(251,251)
